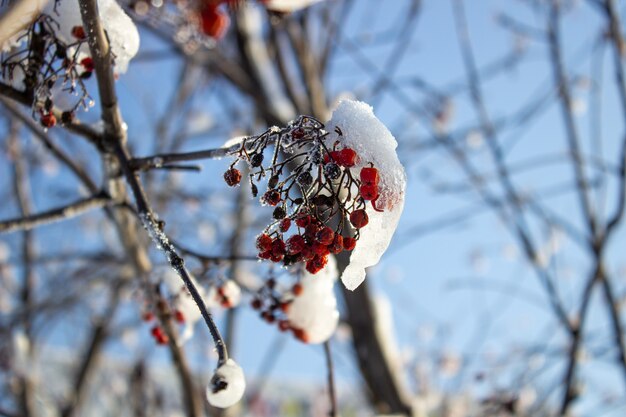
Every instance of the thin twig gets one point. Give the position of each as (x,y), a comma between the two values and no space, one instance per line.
(332,395)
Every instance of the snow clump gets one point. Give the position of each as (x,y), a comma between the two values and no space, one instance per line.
(314,312)
(372,141)
(120,29)
(226,386)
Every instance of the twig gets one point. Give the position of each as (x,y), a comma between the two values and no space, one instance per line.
(56,214)
(332,396)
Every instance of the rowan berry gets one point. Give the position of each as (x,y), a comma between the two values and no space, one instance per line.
(305,179)
(232,177)
(369,176)
(325,235)
(278,247)
(295,244)
(297,289)
(301,335)
(337,245)
(359,218)
(79,32)
(256,303)
(279,213)
(264,242)
(349,243)
(320,249)
(285,224)
(347,157)
(213,22)
(48,120)
(272,197)
(256,160)
(316,264)
(88,64)
(283,325)
(332,171)
(368,192)
(303,221)
(179,316)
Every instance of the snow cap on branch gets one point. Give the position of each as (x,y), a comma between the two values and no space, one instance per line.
(121,31)
(227,385)
(372,141)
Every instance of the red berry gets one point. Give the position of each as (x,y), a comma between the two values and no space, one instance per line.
(285,224)
(256,303)
(320,249)
(78,32)
(268,317)
(359,218)
(300,335)
(147,316)
(156,331)
(87,63)
(284,307)
(271,198)
(307,253)
(232,177)
(264,242)
(332,156)
(283,325)
(297,289)
(369,176)
(349,243)
(225,303)
(278,247)
(162,339)
(265,255)
(337,245)
(347,158)
(48,120)
(295,244)
(303,221)
(368,192)
(179,316)
(310,232)
(316,264)
(213,21)
(325,236)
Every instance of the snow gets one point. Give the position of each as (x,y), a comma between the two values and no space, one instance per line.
(287,6)
(315,310)
(220,395)
(121,31)
(370,138)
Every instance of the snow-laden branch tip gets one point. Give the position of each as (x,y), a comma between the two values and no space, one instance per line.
(372,141)
(121,32)
(288,6)
(227,385)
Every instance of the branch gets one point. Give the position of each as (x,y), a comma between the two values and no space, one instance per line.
(56,214)
(331,380)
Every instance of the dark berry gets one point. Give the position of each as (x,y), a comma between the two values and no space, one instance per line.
(256,160)
(279,213)
(305,179)
(67,117)
(232,177)
(254,189)
(271,198)
(359,218)
(297,133)
(273,181)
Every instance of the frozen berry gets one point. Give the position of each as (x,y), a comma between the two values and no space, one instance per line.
(359,218)
(337,245)
(179,316)
(368,192)
(256,303)
(297,133)
(295,244)
(78,32)
(325,236)
(369,176)
(303,221)
(279,213)
(347,158)
(283,325)
(349,243)
(264,242)
(320,249)
(285,224)
(332,171)
(232,177)
(271,198)
(256,160)
(316,264)
(305,179)
(278,247)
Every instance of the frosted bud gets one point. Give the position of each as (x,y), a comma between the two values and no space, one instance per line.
(227,385)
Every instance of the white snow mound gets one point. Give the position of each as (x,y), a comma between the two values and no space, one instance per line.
(121,31)
(232,375)
(315,310)
(372,141)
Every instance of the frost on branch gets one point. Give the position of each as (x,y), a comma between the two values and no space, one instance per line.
(333,189)
(227,385)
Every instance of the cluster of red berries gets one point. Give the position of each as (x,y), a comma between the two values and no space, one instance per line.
(157,332)
(223,298)
(273,308)
(320,190)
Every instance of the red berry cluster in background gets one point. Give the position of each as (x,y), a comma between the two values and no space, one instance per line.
(273,306)
(319,200)
(214,21)
(157,332)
